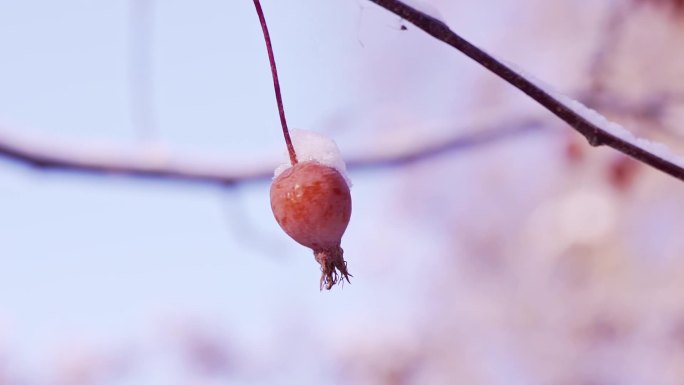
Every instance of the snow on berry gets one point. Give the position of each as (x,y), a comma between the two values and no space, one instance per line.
(312,203)
(310,145)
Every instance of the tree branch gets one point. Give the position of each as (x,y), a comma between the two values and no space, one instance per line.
(150,163)
(595,134)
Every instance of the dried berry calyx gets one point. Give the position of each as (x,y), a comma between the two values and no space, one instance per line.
(331,261)
(312,204)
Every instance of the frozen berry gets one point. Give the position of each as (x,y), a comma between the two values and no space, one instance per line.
(312,204)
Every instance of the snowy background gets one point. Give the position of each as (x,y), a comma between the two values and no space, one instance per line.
(532,259)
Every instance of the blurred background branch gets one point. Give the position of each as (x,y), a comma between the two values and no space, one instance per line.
(155,163)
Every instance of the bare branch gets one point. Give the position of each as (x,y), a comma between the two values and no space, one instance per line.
(595,135)
(151,163)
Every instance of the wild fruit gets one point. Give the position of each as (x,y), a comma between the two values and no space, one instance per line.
(312,204)
(310,200)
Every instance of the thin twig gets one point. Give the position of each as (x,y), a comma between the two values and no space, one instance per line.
(140,69)
(599,65)
(595,135)
(276,83)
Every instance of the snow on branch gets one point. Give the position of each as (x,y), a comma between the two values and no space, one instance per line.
(595,128)
(154,163)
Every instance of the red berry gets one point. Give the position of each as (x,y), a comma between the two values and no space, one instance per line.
(312,204)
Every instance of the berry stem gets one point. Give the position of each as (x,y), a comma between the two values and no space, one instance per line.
(276,83)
